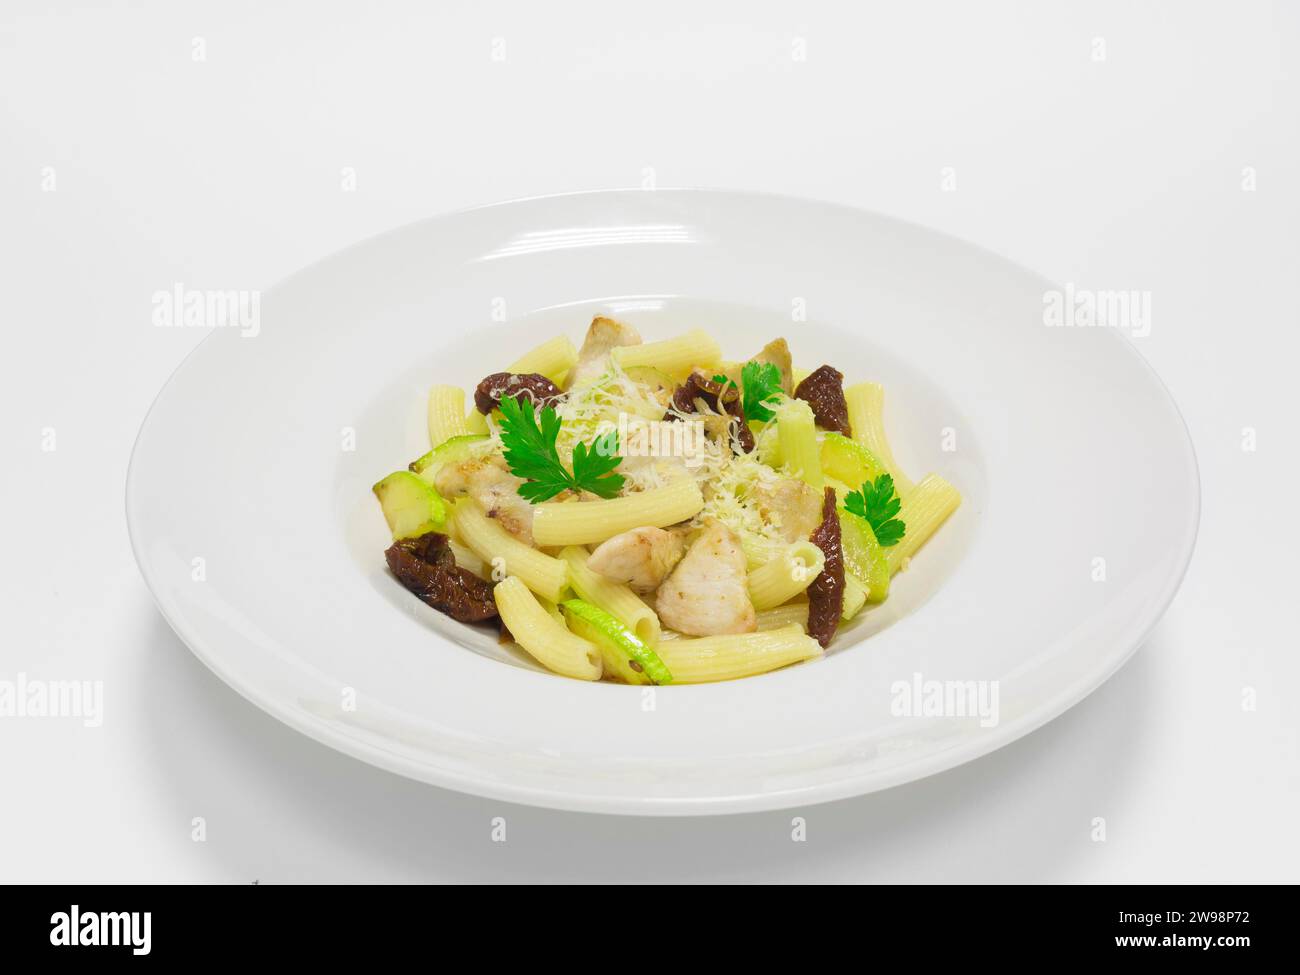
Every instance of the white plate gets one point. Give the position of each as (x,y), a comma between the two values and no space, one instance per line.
(1067,449)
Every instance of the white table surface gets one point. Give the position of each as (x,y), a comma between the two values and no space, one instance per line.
(225,173)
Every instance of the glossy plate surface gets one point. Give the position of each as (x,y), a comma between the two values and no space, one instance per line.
(258,456)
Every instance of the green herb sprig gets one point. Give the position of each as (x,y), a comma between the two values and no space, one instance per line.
(530,453)
(877,504)
(760,385)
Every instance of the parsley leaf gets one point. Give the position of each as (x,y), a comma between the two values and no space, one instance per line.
(877,504)
(530,453)
(760,385)
(592,467)
(762,382)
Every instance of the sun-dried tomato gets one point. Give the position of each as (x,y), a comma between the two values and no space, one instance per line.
(427,566)
(720,397)
(826,594)
(499,385)
(823,390)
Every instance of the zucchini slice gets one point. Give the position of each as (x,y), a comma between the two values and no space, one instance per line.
(411,506)
(450,451)
(864,557)
(624,653)
(848,461)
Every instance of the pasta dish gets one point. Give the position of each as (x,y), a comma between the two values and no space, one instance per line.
(652,513)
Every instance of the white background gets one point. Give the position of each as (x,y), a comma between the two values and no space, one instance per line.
(226,173)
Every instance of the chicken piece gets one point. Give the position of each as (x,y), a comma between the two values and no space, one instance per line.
(790,505)
(489,482)
(640,558)
(706,594)
(777,352)
(593,358)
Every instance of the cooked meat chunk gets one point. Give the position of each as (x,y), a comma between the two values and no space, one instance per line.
(499,385)
(489,482)
(603,335)
(823,390)
(426,566)
(791,505)
(707,593)
(777,352)
(640,558)
(826,594)
(721,398)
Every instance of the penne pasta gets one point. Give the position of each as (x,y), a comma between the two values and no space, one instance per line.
(741,503)
(552,610)
(674,356)
(446,414)
(467,559)
(796,433)
(785,576)
(542,634)
(866,402)
(544,575)
(613,597)
(697,660)
(925,508)
(553,359)
(855,597)
(588,522)
(790,613)
(841,489)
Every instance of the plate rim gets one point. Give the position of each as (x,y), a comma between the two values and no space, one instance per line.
(575,800)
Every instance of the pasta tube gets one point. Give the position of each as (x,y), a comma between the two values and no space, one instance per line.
(538,632)
(855,597)
(467,559)
(697,660)
(796,433)
(623,654)
(544,575)
(786,575)
(866,402)
(446,414)
(924,509)
(613,597)
(674,356)
(553,359)
(587,522)
(841,489)
(779,616)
